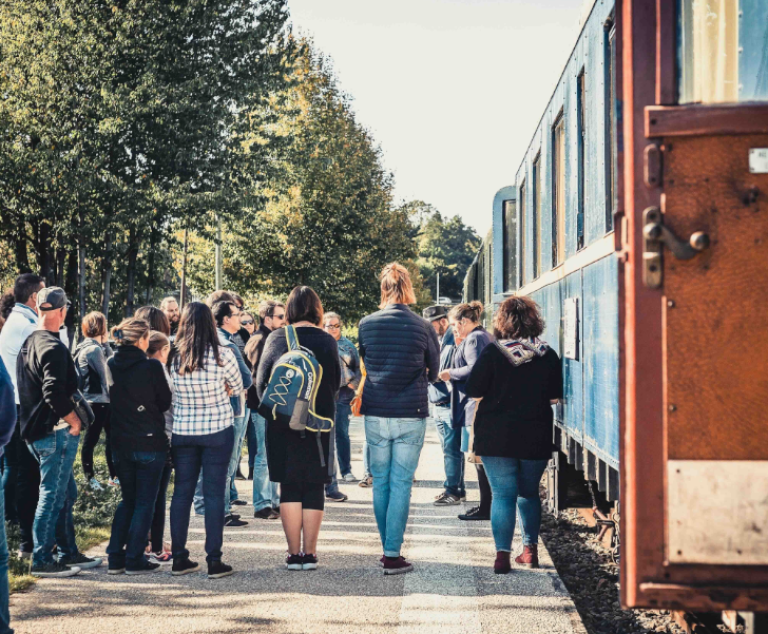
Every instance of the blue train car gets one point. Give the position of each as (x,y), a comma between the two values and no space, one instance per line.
(553,239)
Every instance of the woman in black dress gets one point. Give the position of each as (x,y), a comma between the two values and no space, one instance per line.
(293,458)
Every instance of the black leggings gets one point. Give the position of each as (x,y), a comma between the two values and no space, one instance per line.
(311,495)
(485,490)
(101,412)
(158,519)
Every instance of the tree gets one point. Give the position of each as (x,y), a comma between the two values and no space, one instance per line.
(328,221)
(444,246)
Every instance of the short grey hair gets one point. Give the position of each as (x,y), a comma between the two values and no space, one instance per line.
(332,316)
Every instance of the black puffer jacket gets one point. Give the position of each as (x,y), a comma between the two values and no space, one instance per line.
(139,395)
(401,355)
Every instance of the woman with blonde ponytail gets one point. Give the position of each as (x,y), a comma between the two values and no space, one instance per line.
(401,355)
(465,321)
(139,395)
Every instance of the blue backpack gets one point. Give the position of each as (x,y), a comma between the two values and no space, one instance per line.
(292,389)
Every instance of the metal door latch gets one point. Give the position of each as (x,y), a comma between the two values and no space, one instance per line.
(656,236)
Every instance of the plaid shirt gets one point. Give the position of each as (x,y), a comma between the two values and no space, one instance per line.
(201,403)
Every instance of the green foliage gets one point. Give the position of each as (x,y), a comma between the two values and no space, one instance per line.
(120,120)
(445,246)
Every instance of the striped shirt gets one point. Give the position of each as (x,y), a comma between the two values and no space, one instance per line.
(201,403)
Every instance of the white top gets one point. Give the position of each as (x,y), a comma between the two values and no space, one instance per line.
(21,323)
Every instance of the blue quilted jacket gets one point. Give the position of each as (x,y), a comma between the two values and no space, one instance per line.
(402,356)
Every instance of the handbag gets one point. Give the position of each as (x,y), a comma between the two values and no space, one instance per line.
(357,402)
(83,410)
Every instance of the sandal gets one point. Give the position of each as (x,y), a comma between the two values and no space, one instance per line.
(366,482)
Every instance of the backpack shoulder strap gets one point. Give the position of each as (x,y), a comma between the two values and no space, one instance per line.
(292,337)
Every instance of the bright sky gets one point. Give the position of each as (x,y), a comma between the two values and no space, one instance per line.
(451,89)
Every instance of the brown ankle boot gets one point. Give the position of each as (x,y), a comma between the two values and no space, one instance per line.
(502,566)
(529,557)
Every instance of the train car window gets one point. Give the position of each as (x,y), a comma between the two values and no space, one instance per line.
(610,143)
(558,190)
(536,216)
(722,51)
(509,241)
(523,239)
(581,105)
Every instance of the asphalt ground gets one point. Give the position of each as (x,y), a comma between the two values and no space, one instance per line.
(452,589)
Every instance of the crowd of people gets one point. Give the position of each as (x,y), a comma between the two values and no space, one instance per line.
(180,391)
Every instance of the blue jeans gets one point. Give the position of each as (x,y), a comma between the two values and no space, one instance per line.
(515,485)
(366,459)
(233,494)
(199,499)
(453,458)
(5,616)
(140,473)
(395,449)
(208,454)
(343,448)
(237,451)
(54,525)
(264,492)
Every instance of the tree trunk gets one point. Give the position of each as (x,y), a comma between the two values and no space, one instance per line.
(43,252)
(151,273)
(183,298)
(75,314)
(61,256)
(20,249)
(106,273)
(133,254)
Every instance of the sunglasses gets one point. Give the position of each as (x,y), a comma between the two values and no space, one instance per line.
(332,326)
(246,322)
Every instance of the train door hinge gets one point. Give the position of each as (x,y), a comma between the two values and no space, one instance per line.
(652,170)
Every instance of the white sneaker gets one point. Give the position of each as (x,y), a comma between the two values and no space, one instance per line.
(349,478)
(95,485)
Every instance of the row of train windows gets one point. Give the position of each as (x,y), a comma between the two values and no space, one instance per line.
(515,276)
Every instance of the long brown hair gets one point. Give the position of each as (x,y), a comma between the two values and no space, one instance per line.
(196,336)
(304,305)
(130,331)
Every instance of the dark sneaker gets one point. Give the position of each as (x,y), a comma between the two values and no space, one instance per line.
(116,570)
(234,520)
(447,499)
(81,561)
(184,567)
(148,568)
(294,562)
(309,562)
(474,514)
(54,570)
(336,496)
(239,503)
(502,566)
(396,566)
(217,569)
(529,558)
(267,513)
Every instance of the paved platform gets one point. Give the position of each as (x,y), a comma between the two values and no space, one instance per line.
(452,590)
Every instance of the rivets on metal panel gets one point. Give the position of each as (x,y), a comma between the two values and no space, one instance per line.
(670,303)
(672,408)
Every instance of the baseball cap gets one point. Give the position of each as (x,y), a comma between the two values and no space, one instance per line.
(52,298)
(432,313)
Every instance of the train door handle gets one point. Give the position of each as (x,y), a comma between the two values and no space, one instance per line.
(657,235)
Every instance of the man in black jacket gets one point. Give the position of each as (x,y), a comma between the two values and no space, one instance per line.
(265,495)
(47,380)
(440,402)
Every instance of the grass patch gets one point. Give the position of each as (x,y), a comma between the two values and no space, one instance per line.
(93,513)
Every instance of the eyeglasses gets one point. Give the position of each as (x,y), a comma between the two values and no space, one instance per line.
(246,322)
(332,326)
